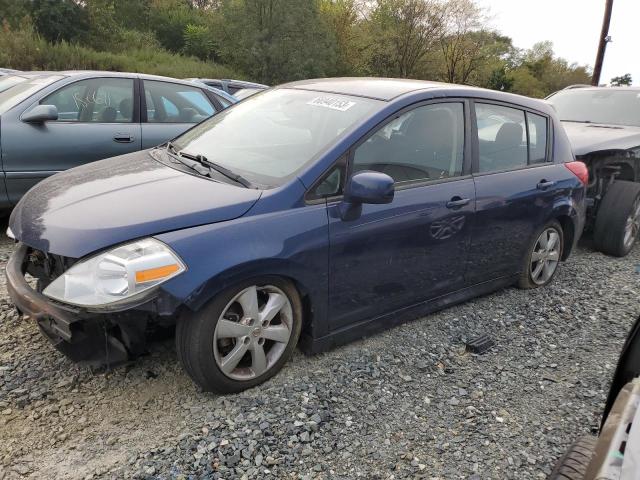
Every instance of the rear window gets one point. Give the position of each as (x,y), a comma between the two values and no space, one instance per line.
(21,91)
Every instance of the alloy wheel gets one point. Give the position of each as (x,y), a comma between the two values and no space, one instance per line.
(632,226)
(253,332)
(545,256)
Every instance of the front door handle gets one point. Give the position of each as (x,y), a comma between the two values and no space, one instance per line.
(544,184)
(123,138)
(457,202)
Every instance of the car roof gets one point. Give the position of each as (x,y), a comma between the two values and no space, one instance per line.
(231,82)
(143,76)
(591,88)
(387,89)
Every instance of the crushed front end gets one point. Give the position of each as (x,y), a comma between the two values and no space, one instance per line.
(100,339)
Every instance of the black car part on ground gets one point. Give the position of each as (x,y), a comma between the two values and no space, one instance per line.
(93,339)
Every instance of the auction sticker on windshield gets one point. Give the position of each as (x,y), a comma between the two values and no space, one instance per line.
(332,102)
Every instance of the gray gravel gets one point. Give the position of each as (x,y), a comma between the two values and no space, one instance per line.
(407,403)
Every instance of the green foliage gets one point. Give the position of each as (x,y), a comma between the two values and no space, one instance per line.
(623,80)
(24,49)
(58,20)
(275,41)
(198,42)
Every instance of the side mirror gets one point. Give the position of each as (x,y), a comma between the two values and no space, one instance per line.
(370,187)
(41,113)
(365,187)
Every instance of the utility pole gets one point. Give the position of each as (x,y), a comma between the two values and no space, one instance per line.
(602,46)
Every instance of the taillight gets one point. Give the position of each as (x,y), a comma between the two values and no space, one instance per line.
(580,170)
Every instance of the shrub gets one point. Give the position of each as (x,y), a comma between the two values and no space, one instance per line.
(25,50)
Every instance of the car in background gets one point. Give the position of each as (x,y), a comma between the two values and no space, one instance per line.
(9,80)
(603,125)
(246,92)
(230,86)
(322,210)
(7,71)
(615,453)
(53,121)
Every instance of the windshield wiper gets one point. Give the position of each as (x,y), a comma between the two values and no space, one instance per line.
(577,121)
(202,160)
(193,165)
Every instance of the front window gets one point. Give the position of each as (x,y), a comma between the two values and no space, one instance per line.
(601,105)
(426,143)
(12,96)
(95,100)
(270,137)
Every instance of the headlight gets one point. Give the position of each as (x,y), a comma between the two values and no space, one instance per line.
(116,275)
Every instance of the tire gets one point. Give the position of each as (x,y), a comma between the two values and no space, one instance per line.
(573,464)
(618,212)
(528,278)
(205,339)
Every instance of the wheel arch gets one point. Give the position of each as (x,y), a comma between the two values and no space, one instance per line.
(569,233)
(313,308)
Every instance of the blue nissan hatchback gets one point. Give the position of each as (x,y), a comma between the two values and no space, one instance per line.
(317,211)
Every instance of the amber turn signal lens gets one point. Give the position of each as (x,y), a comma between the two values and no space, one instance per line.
(156,273)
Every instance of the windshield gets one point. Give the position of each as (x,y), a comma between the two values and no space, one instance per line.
(269,137)
(615,107)
(15,94)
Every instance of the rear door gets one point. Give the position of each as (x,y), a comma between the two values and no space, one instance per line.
(97,119)
(516,184)
(169,109)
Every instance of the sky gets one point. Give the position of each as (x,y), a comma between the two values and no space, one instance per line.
(574,28)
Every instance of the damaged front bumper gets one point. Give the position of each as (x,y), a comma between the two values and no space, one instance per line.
(92,338)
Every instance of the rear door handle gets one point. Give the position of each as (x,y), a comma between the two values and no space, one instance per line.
(544,184)
(457,202)
(123,138)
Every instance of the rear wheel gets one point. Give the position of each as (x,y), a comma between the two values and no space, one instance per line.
(543,257)
(242,337)
(573,464)
(618,219)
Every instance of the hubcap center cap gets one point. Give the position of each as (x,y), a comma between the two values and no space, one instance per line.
(256,332)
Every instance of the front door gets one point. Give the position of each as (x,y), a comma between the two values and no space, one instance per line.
(95,121)
(414,248)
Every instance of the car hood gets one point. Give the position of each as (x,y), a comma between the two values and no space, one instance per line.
(94,206)
(587,138)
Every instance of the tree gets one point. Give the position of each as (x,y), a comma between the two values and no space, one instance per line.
(343,19)
(623,80)
(277,40)
(403,32)
(198,42)
(58,20)
(463,40)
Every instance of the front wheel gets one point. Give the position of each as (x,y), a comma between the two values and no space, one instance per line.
(543,257)
(242,337)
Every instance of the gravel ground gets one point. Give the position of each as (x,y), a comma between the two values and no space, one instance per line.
(407,403)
